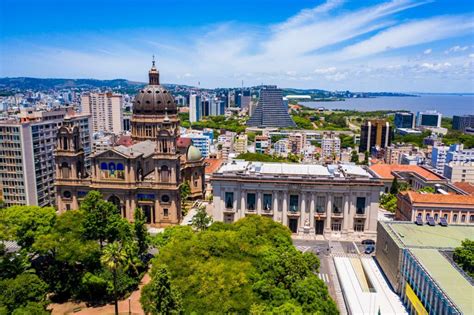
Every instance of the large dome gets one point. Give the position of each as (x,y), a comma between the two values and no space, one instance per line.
(154,99)
(193,154)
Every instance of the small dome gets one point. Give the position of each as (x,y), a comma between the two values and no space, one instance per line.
(194,154)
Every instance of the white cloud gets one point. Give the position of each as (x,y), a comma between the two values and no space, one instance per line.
(456,49)
(471,55)
(325,70)
(428,51)
(435,66)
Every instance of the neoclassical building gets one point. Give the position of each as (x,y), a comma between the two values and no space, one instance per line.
(146,174)
(334,201)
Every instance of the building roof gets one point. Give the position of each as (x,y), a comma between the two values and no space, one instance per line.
(465,186)
(452,282)
(125,140)
(439,199)
(212,165)
(183,142)
(386,171)
(425,243)
(145,147)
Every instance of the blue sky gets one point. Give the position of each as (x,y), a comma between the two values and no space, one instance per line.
(401,45)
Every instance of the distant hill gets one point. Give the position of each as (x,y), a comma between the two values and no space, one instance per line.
(24,83)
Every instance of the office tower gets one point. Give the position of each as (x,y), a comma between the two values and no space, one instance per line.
(331,147)
(26,158)
(430,118)
(245,98)
(461,123)
(200,141)
(404,120)
(195,108)
(270,111)
(231,98)
(105,110)
(375,133)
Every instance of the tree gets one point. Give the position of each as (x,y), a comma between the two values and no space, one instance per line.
(25,223)
(159,296)
(201,219)
(140,230)
(366,158)
(19,291)
(114,259)
(395,186)
(354,157)
(464,256)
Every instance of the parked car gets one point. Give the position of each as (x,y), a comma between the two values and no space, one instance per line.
(369,249)
(368,242)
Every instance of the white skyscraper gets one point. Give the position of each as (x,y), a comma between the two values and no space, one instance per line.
(195,108)
(105,110)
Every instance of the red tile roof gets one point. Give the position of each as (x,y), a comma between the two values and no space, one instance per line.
(212,165)
(125,141)
(183,142)
(467,187)
(438,199)
(385,171)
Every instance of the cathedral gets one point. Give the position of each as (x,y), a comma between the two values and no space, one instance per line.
(147,173)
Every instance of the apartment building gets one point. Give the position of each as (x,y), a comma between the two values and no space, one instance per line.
(105,110)
(330,147)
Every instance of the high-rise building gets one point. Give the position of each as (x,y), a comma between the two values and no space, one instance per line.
(331,147)
(105,110)
(430,118)
(461,123)
(240,143)
(195,108)
(404,120)
(459,171)
(270,111)
(201,142)
(245,99)
(375,133)
(26,156)
(296,142)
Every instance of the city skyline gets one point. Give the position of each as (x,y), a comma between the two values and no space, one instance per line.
(403,45)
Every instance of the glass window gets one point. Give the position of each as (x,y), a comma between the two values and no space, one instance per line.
(436,217)
(165,212)
(229,199)
(455,218)
(251,201)
(321,204)
(463,218)
(337,206)
(359,226)
(267,201)
(360,205)
(294,200)
(336,225)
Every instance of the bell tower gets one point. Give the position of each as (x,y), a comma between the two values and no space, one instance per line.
(69,153)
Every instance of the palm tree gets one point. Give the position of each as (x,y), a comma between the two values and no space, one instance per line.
(114,258)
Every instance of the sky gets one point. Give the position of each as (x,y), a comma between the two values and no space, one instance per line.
(400,45)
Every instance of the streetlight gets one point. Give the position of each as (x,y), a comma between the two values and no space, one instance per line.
(129,308)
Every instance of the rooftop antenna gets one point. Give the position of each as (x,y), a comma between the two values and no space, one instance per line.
(153,60)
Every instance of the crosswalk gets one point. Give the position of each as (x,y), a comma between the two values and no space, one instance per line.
(324,277)
(303,249)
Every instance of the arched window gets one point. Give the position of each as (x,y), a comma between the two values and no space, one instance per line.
(164,174)
(112,170)
(103,166)
(65,170)
(455,218)
(463,218)
(65,143)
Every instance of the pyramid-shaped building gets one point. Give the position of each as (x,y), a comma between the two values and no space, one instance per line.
(271,111)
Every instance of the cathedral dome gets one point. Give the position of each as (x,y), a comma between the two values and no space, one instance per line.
(194,154)
(154,99)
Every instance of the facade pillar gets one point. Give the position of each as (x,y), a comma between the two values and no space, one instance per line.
(275,206)
(328,212)
(241,213)
(259,202)
(312,206)
(303,214)
(345,217)
(285,208)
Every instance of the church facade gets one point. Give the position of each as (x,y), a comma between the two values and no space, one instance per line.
(146,174)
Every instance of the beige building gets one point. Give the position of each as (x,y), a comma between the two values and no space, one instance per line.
(459,172)
(105,110)
(337,201)
(394,152)
(147,173)
(296,142)
(240,144)
(330,147)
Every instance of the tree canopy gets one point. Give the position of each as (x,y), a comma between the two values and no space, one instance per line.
(247,266)
(464,257)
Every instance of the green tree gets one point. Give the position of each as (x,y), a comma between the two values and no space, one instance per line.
(31,308)
(114,259)
(354,157)
(394,188)
(141,232)
(464,256)
(201,219)
(427,189)
(25,223)
(366,158)
(159,296)
(18,292)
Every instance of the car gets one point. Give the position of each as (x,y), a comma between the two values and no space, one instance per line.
(368,242)
(369,249)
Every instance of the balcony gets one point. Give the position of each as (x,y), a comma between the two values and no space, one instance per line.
(337,213)
(320,212)
(293,210)
(360,213)
(250,208)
